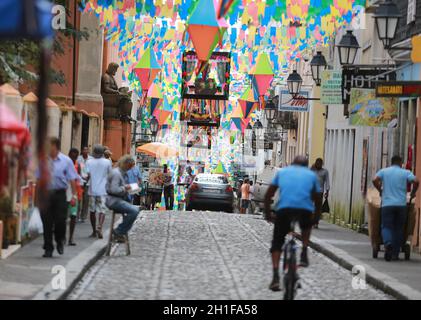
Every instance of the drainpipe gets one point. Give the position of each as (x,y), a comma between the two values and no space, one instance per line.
(352,177)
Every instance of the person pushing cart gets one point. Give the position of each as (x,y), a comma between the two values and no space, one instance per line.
(392,185)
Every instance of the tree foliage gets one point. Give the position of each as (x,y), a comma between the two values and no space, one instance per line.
(19,59)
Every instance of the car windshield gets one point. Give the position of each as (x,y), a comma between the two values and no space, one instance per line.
(212,179)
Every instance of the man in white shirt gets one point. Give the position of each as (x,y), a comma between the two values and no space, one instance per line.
(81,160)
(98,169)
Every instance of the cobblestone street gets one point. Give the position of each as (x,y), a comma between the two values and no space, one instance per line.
(206,255)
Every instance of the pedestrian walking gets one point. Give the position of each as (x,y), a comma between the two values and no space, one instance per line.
(54,213)
(251,195)
(98,169)
(392,183)
(134,176)
(82,159)
(74,209)
(117,197)
(245,194)
(168,188)
(108,154)
(323,176)
(297,186)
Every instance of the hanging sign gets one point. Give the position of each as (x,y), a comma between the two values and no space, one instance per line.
(399,89)
(288,103)
(363,78)
(331,87)
(368,110)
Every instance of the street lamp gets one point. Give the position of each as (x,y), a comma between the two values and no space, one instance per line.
(270,111)
(154,126)
(294,82)
(348,48)
(258,128)
(318,64)
(386,17)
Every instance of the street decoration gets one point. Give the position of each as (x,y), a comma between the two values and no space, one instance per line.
(155,97)
(249,102)
(261,76)
(367,110)
(162,116)
(205,31)
(220,169)
(146,70)
(281,29)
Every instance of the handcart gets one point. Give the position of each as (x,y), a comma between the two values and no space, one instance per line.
(374,224)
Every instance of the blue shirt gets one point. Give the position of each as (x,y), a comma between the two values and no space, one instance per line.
(296,185)
(394,180)
(133,175)
(62,170)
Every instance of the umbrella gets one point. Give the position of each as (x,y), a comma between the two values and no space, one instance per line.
(158,150)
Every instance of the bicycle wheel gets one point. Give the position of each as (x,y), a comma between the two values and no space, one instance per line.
(290,278)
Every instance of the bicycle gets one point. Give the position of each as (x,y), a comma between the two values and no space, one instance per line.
(291,280)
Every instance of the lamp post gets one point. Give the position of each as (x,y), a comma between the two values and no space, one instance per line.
(271,111)
(154,126)
(318,64)
(294,82)
(386,18)
(348,48)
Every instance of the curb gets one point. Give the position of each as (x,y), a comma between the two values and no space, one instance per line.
(75,270)
(375,278)
(77,267)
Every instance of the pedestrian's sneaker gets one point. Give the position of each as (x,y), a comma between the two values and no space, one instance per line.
(304,259)
(388,252)
(275,285)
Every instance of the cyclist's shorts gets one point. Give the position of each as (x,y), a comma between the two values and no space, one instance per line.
(283,225)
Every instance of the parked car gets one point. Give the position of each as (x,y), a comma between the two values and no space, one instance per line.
(263,180)
(210,192)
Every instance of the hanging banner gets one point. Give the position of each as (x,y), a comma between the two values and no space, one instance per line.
(367,110)
(331,87)
(288,103)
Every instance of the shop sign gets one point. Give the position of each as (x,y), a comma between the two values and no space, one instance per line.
(399,89)
(368,110)
(363,78)
(331,87)
(416,49)
(288,103)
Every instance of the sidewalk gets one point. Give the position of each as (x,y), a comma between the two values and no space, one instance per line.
(401,279)
(26,275)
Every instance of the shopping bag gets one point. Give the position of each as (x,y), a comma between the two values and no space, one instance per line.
(35,226)
(325,207)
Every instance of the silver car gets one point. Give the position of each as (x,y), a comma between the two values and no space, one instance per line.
(210,192)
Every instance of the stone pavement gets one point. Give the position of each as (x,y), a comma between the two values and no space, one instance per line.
(347,247)
(206,255)
(26,274)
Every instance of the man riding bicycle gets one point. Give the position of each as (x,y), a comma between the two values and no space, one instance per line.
(299,197)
